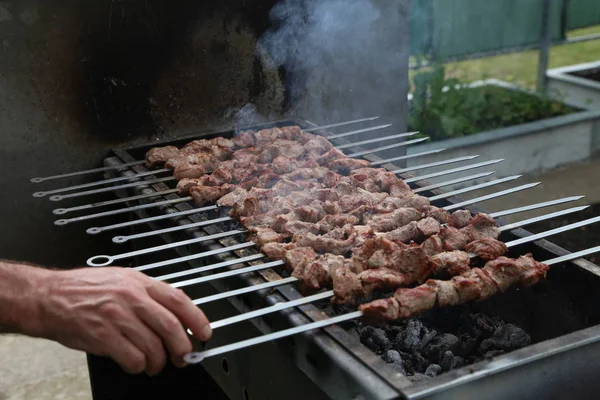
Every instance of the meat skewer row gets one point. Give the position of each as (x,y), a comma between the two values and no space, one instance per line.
(199,157)
(354,278)
(477,284)
(523,276)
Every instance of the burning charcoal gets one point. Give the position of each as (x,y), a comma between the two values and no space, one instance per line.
(448,361)
(507,338)
(486,323)
(433,370)
(439,345)
(394,358)
(414,336)
(375,339)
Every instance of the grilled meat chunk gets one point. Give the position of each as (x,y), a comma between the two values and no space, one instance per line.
(160,155)
(487,248)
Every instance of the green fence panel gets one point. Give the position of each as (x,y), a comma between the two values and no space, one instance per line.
(582,13)
(420,20)
(464,27)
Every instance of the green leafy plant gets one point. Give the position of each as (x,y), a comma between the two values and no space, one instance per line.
(444,108)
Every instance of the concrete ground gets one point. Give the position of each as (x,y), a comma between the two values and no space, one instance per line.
(39,369)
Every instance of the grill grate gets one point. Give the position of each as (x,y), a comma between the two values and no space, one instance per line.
(336,344)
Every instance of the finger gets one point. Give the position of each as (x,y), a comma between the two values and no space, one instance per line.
(146,340)
(180,304)
(167,326)
(124,353)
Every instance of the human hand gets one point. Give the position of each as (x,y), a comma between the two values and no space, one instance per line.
(122,314)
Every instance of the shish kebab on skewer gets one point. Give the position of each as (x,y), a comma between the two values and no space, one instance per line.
(502,275)
(186,161)
(330,293)
(134,163)
(266,234)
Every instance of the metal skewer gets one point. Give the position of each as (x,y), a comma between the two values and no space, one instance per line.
(279,263)
(356,132)
(197,270)
(89,171)
(409,156)
(391,146)
(60,197)
(61,222)
(134,163)
(452,182)
(406,157)
(451,171)
(102,182)
(434,164)
(356,121)
(61,211)
(123,239)
(491,196)
(475,187)
(97,229)
(375,140)
(97,261)
(197,357)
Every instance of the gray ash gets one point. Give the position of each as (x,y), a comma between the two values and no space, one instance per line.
(439,341)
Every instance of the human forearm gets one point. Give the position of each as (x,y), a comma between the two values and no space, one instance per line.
(22,289)
(115,312)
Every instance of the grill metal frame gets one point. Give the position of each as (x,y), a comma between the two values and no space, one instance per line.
(358,371)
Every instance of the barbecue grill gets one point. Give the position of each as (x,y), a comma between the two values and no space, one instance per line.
(332,362)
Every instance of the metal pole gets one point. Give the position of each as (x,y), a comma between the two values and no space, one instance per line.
(545,42)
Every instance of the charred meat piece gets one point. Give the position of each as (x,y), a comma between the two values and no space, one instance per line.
(403,234)
(433,245)
(400,217)
(459,219)
(331,155)
(487,248)
(441,215)
(317,146)
(482,226)
(337,220)
(324,244)
(454,239)
(244,139)
(347,286)
(450,262)
(381,278)
(428,227)
(283,148)
(276,250)
(236,196)
(345,165)
(415,201)
(203,195)
(316,274)
(262,235)
(160,155)
(298,258)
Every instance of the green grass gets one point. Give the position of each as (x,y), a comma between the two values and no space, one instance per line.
(521,68)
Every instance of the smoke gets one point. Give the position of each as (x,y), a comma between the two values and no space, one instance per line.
(343,58)
(245,117)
